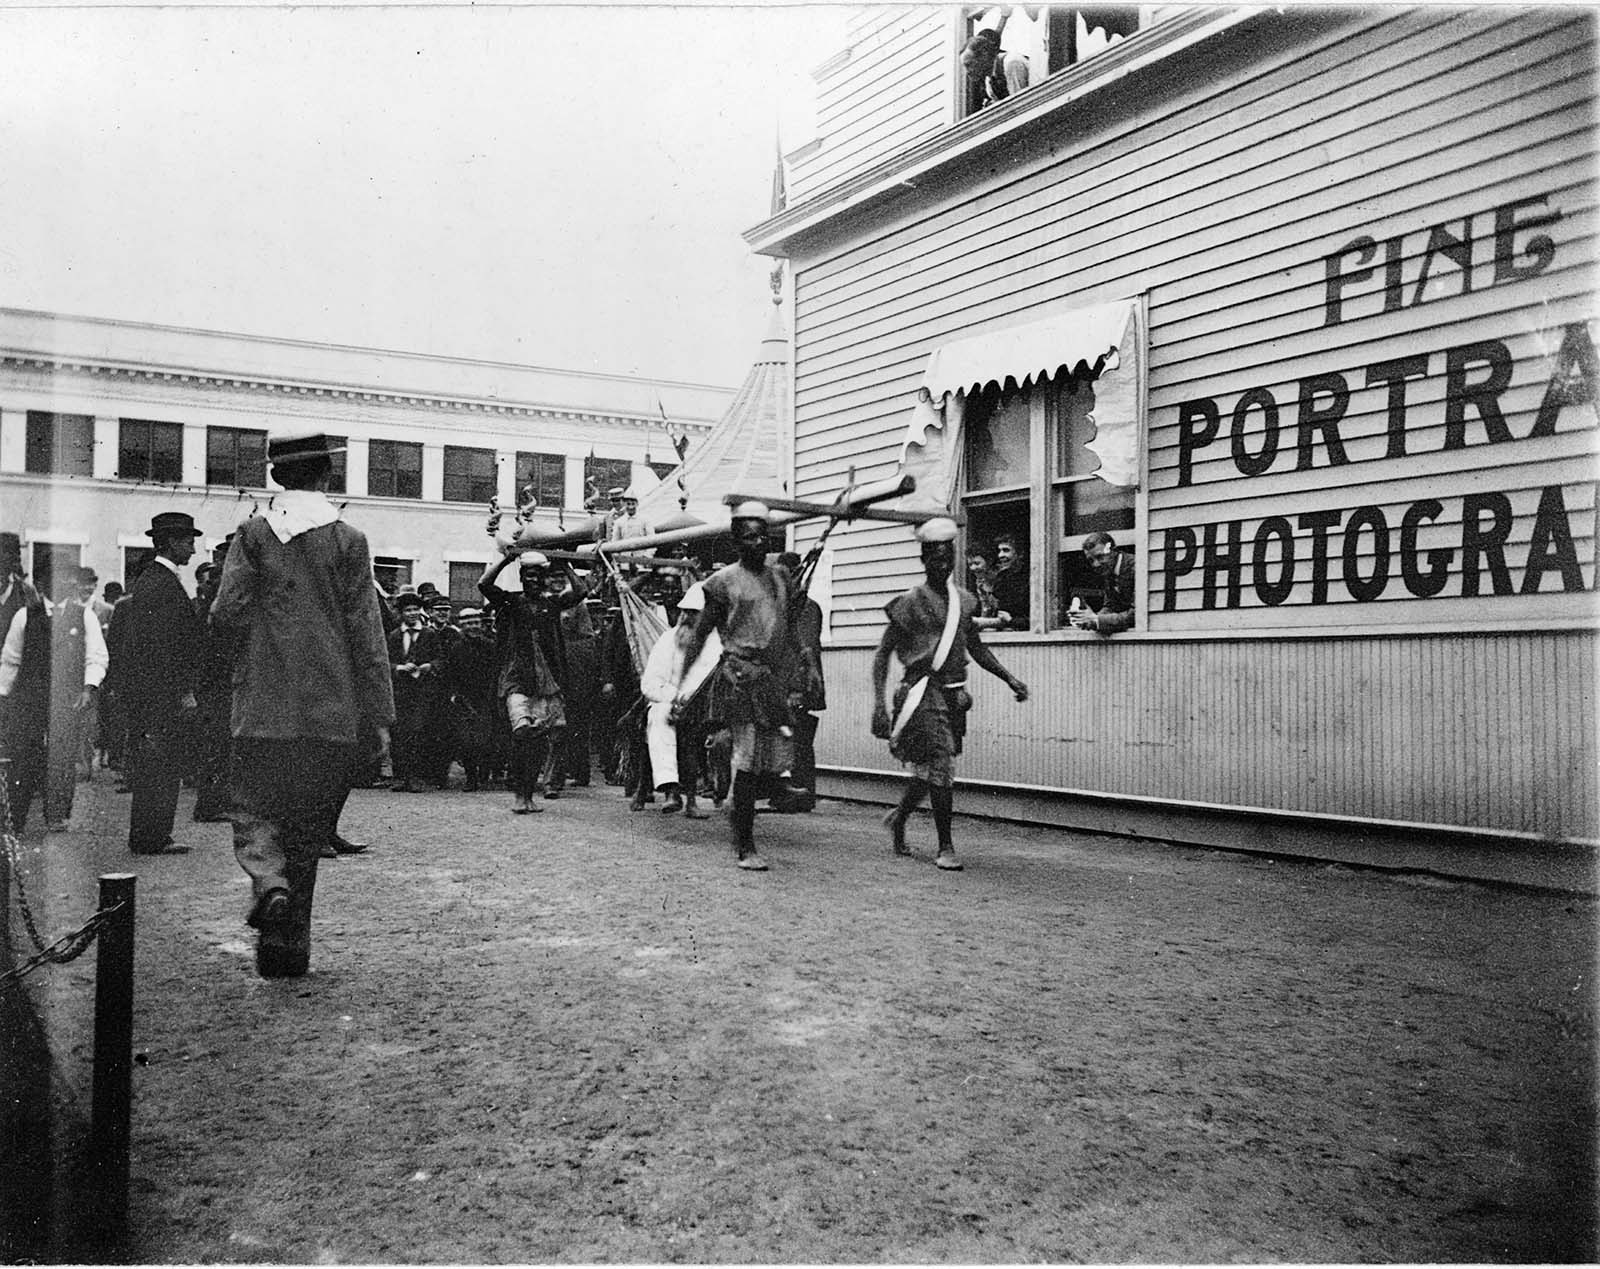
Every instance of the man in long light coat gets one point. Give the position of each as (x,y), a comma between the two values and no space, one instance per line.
(311,694)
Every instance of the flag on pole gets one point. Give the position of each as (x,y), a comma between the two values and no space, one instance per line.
(680,440)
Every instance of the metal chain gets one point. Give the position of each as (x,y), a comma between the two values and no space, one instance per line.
(13,849)
(66,948)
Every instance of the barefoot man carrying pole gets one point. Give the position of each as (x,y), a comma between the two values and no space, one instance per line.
(930,628)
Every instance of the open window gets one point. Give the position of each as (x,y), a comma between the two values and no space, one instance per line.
(1028,43)
(1032,431)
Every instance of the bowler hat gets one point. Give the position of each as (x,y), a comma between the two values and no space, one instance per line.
(407,599)
(172,524)
(296,445)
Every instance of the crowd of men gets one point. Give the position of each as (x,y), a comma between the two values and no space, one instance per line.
(286,676)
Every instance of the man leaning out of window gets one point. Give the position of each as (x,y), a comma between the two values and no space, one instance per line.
(1115,569)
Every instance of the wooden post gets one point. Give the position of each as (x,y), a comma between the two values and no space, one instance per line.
(110,1118)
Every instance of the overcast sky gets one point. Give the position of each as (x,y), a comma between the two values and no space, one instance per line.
(562,187)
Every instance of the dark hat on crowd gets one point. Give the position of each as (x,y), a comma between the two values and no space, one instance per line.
(297,445)
(427,588)
(407,599)
(439,600)
(172,524)
(87,574)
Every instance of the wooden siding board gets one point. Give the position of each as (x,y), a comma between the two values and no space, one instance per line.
(1200,132)
(889,94)
(1045,211)
(1238,245)
(1394,729)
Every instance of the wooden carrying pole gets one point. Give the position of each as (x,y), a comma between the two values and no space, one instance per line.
(852,505)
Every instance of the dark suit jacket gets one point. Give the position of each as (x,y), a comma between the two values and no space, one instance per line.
(417,698)
(162,643)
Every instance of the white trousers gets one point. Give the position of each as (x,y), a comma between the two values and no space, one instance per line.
(662,738)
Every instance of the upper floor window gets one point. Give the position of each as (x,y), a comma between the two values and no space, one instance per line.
(1006,51)
(336,481)
(394,469)
(1031,485)
(469,474)
(546,475)
(601,475)
(149,450)
(60,444)
(236,457)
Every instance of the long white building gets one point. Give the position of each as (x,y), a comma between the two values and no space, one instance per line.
(105,423)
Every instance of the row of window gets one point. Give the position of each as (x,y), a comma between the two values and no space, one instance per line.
(152,451)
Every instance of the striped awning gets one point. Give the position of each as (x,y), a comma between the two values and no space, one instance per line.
(1029,351)
(1105,338)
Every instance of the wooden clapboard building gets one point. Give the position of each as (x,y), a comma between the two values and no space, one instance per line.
(1297,304)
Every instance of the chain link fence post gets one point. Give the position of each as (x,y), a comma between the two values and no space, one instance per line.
(113,1061)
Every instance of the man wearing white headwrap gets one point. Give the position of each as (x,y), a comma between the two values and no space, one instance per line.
(675,743)
(931,630)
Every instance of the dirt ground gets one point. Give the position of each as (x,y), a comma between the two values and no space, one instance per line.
(585,1036)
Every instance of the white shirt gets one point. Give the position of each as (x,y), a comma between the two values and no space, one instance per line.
(95,656)
(185,582)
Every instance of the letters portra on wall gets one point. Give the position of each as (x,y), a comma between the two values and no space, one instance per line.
(1439,465)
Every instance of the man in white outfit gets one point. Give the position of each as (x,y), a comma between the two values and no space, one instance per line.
(675,741)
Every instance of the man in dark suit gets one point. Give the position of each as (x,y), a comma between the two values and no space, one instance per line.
(24,709)
(162,648)
(417,659)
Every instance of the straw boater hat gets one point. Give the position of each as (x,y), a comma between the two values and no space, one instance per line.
(294,445)
(938,529)
(172,524)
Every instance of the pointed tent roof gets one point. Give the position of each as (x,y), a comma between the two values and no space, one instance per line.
(745,449)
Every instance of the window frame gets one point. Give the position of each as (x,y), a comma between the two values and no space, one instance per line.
(1048,541)
(480,488)
(378,448)
(339,463)
(235,435)
(146,451)
(594,464)
(60,444)
(1060,47)
(529,461)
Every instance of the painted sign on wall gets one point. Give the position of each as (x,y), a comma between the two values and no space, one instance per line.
(1458,468)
